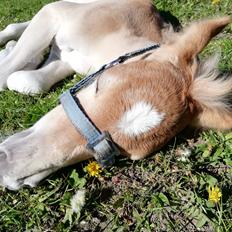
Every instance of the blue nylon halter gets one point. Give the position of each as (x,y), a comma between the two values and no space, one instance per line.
(100,143)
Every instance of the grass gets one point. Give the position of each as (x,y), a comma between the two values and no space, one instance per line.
(165,192)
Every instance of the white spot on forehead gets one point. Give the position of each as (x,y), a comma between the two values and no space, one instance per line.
(141,118)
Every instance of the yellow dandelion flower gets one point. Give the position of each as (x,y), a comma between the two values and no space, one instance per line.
(93,169)
(214,194)
(215,2)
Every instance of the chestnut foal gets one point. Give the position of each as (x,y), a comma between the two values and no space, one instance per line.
(142,103)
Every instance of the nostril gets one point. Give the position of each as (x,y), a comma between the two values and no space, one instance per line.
(4,164)
(3,155)
(6,153)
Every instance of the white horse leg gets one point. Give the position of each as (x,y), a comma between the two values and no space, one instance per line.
(8,48)
(40,80)
(12,32)
(34,40)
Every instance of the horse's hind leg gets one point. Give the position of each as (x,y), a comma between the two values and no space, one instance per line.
(37,37)
(12,32)
(8,48)
(41,80)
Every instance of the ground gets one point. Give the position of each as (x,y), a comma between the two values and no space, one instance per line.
(166,192)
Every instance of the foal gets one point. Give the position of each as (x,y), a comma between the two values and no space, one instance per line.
(142,103)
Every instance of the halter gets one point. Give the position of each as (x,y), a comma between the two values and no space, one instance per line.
(100,143)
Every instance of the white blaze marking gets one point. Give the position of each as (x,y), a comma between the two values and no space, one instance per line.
(141,118)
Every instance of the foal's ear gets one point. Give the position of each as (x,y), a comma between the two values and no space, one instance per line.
(198,35)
